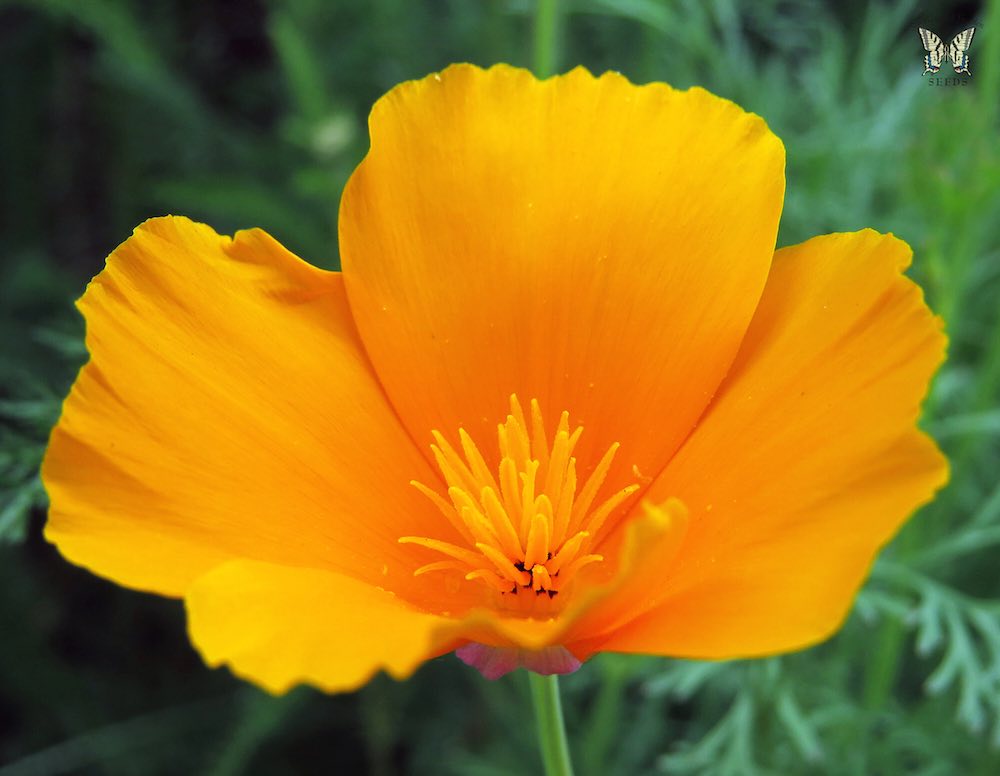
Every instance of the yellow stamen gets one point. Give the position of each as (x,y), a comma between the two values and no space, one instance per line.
(593,484)
(527,497)
(481,528)
(459,553)
(560,458)
(538,542)
(525,526)
(491,578)
(539,445)
(579,563)
(609,506)
(499,517)
(480,470)
(445,508)
(509,490)
(568,551)
(440,565)
(517,434)
(566,495)
(540,579)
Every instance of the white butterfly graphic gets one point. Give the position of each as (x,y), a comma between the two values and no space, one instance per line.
(955,51)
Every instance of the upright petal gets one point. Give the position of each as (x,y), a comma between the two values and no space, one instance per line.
(227,411)
(593,244)
(806,463)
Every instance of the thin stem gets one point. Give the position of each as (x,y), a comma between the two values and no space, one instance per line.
(546,37)
(884,654)
(551,730)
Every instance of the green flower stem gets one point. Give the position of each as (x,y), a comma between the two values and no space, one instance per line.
(546,37)
(551,731)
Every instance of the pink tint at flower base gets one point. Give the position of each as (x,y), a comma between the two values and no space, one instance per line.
(494,662)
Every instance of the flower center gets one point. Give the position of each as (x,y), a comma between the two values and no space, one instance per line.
(527,526)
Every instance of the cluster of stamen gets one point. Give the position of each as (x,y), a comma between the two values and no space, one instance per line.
(528,527)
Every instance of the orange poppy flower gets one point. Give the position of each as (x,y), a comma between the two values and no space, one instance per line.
(564,398)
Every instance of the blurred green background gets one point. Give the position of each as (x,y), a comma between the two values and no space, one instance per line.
(253,114)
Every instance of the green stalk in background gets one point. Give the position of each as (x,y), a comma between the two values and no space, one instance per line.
(551,730)
(545,51)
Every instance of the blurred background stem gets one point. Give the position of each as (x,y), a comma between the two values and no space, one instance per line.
(549,720)
(546,38)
